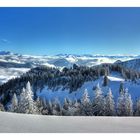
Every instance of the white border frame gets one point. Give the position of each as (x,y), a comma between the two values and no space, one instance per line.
(69,3)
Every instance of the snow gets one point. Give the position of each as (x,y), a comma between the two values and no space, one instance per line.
(20,69)
(49,65)
(114,83)
(132,64)
(71,59)
(25,123)
(61,94)
(111,78)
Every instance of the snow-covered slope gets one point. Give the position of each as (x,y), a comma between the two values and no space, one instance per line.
(132,64)
(25,123)
(114,83)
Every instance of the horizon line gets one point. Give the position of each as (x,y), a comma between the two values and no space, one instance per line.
(57,54)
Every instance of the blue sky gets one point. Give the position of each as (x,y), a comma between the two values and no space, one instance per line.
(50,31)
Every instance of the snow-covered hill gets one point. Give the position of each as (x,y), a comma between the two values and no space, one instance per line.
(132,64)
(114,83)
(70,83)
(25,123)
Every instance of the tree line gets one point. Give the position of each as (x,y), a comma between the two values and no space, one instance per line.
(68,78)
(100,105)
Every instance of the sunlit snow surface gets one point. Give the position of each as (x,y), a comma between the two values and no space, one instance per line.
(26,123)
(115,79)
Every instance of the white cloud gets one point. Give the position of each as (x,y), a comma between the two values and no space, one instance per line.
(4,40)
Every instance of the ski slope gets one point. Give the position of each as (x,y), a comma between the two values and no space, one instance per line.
(25,123)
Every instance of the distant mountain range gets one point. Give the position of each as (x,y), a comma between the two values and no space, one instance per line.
(8,59)
(11,63)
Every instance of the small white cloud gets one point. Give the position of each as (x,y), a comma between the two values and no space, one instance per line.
(4,40)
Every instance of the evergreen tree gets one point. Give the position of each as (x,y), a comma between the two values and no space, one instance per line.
(109,104)
(68,108)
(125,104)
(85,98)
(2,107)
(73,111)
(39,105)
(105,82)
(56,107)
(86,107)
(107,71)
(47,107)
(28,90)
(121,89)
(121,105)
(99,102)
(66,104)
(137,108)
(22,102)
(129,103)
(71,108)
(123,74)
(26,103)
(50,108)
(14,104)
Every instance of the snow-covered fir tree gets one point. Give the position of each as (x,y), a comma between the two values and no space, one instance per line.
(71,108)
(72,111)
(56,107)
(66,107)
(109,104)
(137,113)
(39,105)
(26,102)
(85,98)
(47,107)
(66,104)
(50,107)
(14,104)
(129,103)
(76,105)
(98,102)
(125,104)
(2,107)
(28,90)
(86,106)
(22,102)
